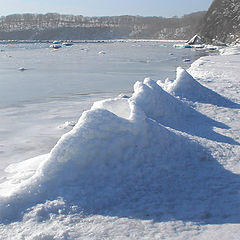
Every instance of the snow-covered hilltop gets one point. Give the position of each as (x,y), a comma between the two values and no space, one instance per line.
(55,26)
(222,21)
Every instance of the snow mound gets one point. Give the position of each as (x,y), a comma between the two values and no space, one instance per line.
(158,104)
(185,86)
(67,124)
(101,52)
(166,109)
(119,159)
(118,106)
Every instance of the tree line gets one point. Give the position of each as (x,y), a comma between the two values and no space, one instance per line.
(125,26)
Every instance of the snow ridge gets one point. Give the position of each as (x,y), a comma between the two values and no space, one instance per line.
(120,159)
(185,86)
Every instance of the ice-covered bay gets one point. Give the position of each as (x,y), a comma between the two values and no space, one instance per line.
(158,165)
(82,68)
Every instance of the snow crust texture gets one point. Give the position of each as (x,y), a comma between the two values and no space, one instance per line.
(150,162)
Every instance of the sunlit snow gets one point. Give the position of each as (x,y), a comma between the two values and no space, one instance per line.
(162,163)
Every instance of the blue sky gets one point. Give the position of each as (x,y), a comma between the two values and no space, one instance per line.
(165,8)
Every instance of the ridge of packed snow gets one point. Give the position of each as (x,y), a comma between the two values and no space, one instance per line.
(150,160)
(186,87)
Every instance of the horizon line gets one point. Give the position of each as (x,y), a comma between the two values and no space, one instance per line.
(122,15)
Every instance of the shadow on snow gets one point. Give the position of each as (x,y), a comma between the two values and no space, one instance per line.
(180,182)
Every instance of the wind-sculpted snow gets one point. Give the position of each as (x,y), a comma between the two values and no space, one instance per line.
(185,86)
(120,160)
(169,111)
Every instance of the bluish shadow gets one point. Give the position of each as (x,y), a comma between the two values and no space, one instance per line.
(167,177)
(205,95)
(187,87)
(191,186)
(172,112)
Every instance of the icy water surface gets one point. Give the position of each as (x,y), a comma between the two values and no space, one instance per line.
(58,85)
(84,68)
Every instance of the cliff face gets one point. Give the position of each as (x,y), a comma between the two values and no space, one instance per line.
(222,21)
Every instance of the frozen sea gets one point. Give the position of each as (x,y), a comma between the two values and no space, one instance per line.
(37,104)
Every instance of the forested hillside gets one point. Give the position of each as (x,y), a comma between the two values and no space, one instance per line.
(56,26)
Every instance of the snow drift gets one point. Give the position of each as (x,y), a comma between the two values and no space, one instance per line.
(230,51)
(120,159)
(185,86)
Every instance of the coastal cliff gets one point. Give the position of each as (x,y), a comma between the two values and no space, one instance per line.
(222,22)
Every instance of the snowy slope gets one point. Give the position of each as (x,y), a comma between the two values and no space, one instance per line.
(159,165)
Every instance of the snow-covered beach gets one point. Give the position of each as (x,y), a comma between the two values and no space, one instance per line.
(161,164)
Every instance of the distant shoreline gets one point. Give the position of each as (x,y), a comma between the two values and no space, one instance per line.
(93,41)
(56,26)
